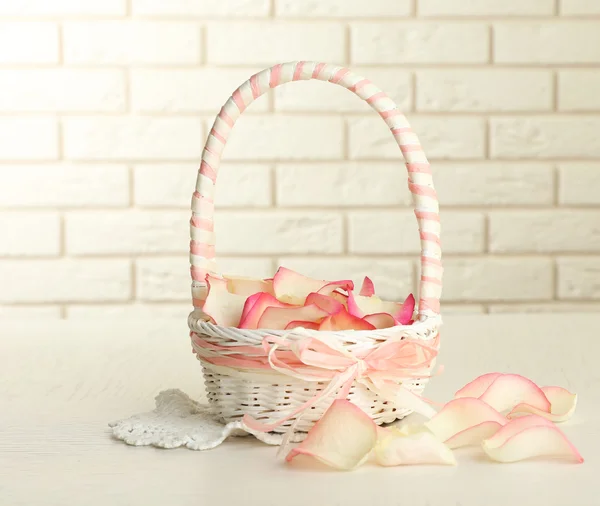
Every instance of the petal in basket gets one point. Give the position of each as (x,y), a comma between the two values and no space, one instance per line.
(273,348)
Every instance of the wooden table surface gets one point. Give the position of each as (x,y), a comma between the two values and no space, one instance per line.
(62,382)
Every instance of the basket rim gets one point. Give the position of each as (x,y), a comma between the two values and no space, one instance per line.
(426,326)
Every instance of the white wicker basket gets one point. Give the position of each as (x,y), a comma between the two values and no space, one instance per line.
(269,395)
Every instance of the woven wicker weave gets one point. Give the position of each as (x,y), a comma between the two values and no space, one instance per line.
(268,395)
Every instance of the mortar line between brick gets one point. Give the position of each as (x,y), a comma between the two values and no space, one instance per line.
(128,8)
(60,44)
(63,311)
(133,286)
(557,9)
(414,8)
(555,91)
(272,13)
(491,43)
(556,190)
(203,44)
(347,44)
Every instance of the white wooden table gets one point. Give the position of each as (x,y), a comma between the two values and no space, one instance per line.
(62,382)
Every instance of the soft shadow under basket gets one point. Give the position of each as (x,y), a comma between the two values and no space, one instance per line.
(269,395)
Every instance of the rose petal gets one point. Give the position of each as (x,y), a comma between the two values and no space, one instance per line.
(325,302)
(256,310)
(340,297)
(249,304)
(223,307)
(406,313)
(292,287)
(367,289)
(343,320)
(562,405)
(527,437)
(342,438)
(361,306)
(473,435)
(460,415)
(303,324)
(409,446)
(248,286)
(478,386)
(508,390)
(277,318)
(380,320)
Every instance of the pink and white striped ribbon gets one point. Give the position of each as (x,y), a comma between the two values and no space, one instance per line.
(420,183)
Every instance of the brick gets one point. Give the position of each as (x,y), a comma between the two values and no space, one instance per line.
(229,9)
(579,278)
(497,279)
(64,185)
(29,234)
(369,232)
(486,8)
(188,90)
(545,137)
(268,42)
(132,137)
(179,310)
(549,307)
(131,42)
(65,280)
(31,8)
(552,231)
(28,42)
(62,90)
(348,184)
(419,42)
(484,90)
(343,8)
(579,183)
(247,185)
(462,308)
(249,267)
(126,232)
(579,7)
(26,313)
(393,278)
(578,90)
(28,138)
(554,42)
(287,138)
(322,96)
(441,138)
(278,232)
(163,279)
(494,184)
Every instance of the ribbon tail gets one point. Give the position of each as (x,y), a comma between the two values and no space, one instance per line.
(400,397)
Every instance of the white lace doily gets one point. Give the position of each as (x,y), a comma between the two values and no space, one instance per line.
(178,421)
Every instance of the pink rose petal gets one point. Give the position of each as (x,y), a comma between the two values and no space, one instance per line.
(562,405)
(222,307)
(325,302)
(277,318)
(292,287)
(249,304)
(405,315)
(367,289)
(478,386)
(508,390)
(248,286)
(342,438)
(460,417)
(380,320)
(528,437)
(255,310)
(343,320)
(303,324)
(411,445)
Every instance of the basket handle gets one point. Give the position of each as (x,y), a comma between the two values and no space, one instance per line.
(420,183)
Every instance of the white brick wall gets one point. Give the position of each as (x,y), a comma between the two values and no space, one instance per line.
(104,106)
